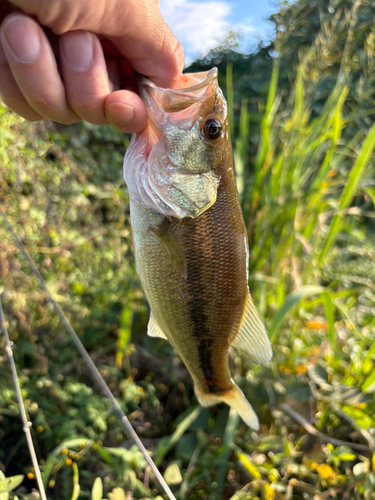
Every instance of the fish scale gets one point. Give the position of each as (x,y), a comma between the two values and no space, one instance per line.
(193,266)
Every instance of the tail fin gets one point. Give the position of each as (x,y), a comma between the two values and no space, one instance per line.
(234,398)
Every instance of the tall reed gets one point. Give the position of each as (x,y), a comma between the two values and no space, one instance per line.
(297,193)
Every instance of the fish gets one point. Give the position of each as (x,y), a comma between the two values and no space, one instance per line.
(189,237)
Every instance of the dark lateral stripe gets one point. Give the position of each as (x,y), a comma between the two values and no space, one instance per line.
(201,237)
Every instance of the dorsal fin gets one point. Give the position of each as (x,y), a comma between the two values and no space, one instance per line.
(251,338)
(154,330)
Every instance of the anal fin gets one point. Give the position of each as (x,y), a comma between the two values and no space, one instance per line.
(171,246)
(154,330)
(251,338)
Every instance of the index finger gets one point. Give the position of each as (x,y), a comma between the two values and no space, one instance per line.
(136,27)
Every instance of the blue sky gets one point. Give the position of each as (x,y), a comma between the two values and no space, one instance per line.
(200,24)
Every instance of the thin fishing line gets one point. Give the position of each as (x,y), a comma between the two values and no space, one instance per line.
(93,369)
(26,423)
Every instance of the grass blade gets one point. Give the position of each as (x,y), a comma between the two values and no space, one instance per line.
(167,444)
(356,172)
(267,119)
(97,489)
(76,486)
(229,81)
(291,300)
(232,424)
(241,150)
(369,383)
(330,316)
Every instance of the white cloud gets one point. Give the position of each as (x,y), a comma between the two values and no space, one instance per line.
(199,26)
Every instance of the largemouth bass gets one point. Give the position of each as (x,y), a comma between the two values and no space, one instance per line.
(189,236)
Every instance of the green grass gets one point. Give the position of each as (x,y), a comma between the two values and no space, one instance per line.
(308,201)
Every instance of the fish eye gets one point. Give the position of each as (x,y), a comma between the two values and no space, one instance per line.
(212,128)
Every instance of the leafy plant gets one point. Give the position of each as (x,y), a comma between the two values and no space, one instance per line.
(303,137)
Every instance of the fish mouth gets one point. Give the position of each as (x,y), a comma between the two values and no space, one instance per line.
(197,81)
(194,87)
(180,106)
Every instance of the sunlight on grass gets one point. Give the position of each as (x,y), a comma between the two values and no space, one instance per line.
(302,126)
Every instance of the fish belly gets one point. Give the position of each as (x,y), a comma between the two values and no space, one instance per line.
(199,313)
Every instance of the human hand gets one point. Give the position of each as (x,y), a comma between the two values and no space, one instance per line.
(83,65)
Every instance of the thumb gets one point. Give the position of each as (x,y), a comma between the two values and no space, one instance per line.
(135,27)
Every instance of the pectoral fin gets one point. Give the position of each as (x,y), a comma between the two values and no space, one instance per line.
(171,246)
(154,330)
(251,338)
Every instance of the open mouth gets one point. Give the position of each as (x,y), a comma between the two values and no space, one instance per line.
(181,107)
(195,87)
(190,82)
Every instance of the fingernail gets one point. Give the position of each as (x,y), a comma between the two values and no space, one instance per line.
(78,49)
(3,59)
(120,113)
(22,37)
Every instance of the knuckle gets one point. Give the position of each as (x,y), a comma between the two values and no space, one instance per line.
(52,111)
(8,101)
(32,117)
(21,109)
(51,13)
(69,120)
(180,55)
(39,102)
(90,111)
(172,52)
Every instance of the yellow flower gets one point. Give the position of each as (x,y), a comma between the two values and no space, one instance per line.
(269,494)
(313,351)
(249,466)
(285,369)
(39,428)
(273,475)
(30,475)
(68,461)
(360,406)
(315,324)
(325,471)
(300,369)
(64,451)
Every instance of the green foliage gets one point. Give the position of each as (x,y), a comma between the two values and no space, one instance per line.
(8,484)
(97,490)
(303,139)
